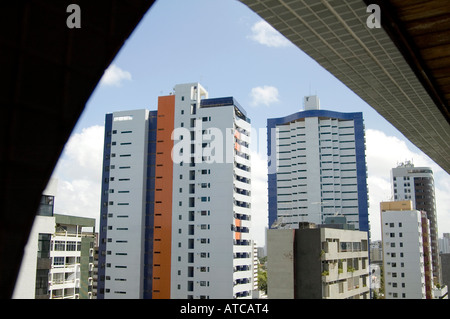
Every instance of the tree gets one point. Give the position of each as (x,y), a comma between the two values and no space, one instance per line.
(262,274)
(262,279)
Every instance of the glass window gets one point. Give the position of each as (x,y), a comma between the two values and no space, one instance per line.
(60,245)
(71,246)
(58,261)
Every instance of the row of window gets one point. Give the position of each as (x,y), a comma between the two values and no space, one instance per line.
(300,127)
(60,245)
(324,207)
(393,244)
(115,132)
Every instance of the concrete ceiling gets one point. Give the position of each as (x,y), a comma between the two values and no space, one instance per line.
(48,73)
(401,69)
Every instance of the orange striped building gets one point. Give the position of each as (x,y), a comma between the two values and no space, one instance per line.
(175,214)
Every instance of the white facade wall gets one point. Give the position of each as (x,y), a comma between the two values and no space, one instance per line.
(316,171)
(403,261)
(205,191)
(26,280)
(444,244)
(64,276)
(126,205)
(403,184)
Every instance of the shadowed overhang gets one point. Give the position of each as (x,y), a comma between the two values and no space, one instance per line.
(48,72)
(402,69)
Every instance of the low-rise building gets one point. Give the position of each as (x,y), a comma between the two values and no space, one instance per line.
(317,263)
(58,260)
(72,258)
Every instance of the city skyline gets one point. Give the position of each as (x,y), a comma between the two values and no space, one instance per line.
(233,53)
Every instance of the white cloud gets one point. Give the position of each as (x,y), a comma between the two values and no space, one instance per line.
(80,197)
(82,154)
(264,95)
(114,76)
(384,153)
(265,34)
(79,171)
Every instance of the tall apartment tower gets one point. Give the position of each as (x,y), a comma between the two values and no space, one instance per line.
(317,167)
(175,215)
(417,184)
(406,251)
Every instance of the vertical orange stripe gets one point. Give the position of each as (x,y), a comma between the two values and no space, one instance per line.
(237,235)
(163,198)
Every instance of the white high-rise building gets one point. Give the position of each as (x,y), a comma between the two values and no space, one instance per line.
(417,184)
(211,243)
(176,200)
(403,251)
(317,167)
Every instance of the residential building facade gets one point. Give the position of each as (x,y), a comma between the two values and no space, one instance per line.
(316,167)
(317,263)
(72,258)
(417,184)
(444,244)
(176,215)
(58,261)
(33,277)
(404,251)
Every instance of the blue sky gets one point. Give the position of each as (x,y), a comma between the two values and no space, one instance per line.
(228,49)
(212,42)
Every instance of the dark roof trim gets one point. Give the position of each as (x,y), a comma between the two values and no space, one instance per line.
(401,38)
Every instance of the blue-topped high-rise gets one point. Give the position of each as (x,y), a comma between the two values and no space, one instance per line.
(317,168)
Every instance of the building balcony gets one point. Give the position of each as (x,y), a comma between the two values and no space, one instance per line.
(331,251)
(333,272)
(241,199)
(343,291)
